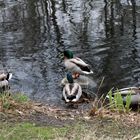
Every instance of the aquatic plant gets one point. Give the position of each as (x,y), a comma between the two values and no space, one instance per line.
(117,102)
(128,103)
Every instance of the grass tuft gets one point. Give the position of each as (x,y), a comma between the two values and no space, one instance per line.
(117,102)
(8,101)
(20,97)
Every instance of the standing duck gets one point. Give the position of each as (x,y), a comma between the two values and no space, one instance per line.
(75,65)
(71,91)
(4,81)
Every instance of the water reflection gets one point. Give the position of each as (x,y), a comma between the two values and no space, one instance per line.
(33,35)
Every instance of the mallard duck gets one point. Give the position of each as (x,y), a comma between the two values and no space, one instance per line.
(4,80)
(133,91)
(81,80)
(89,86)
(75,65)
(72,91)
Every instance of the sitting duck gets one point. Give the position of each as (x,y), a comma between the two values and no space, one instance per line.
(75,65)
(88,85)
(71,91)
(133,91)
(4,81)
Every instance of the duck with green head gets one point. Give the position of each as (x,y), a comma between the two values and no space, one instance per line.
(82,80)
(71,91)
(75,64)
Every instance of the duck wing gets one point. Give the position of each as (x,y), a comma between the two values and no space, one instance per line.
(77,91)
(2,76)
(78,61)
(68,93)
(129,90)
(81,64)
(67,90)
(125,92)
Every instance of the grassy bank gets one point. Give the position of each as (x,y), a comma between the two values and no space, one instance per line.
(28,131)
(103,130)
(23,119)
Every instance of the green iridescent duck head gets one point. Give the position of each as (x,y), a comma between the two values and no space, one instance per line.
(68,54)
(69,77)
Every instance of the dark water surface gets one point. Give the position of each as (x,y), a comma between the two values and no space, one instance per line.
(33,33)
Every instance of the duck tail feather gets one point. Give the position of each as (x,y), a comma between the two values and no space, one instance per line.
(85,72)
(9,76)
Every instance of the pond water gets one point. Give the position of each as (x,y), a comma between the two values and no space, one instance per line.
(33,35)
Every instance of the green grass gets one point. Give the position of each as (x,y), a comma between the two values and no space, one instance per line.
(7,99)
(100,130)
(19,97)
(117,103)
(4,99)
(27,131)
